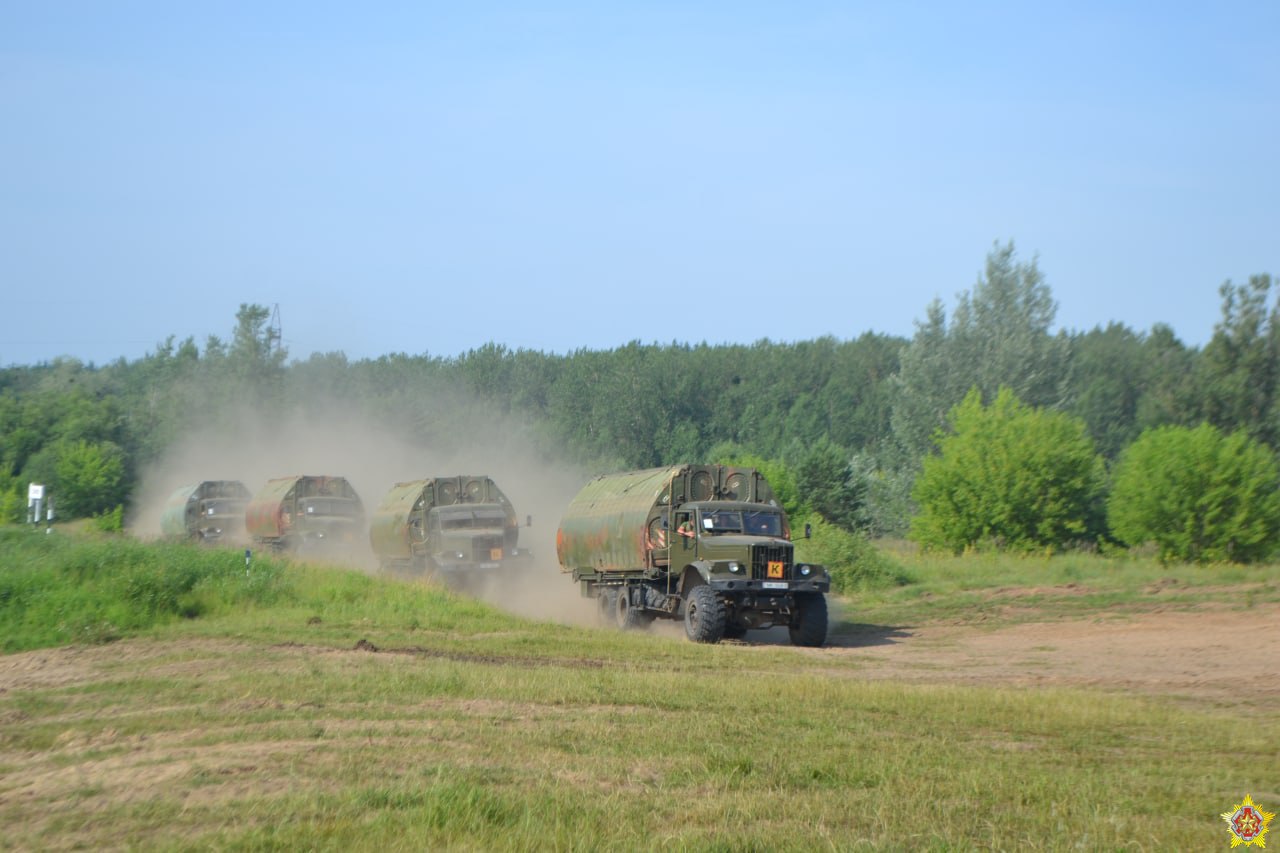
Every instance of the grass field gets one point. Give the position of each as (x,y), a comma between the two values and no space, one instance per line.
(999,589)
(176,703)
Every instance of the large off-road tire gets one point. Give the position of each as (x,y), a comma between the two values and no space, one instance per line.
(627,616)
(809,626)
(704,615)
(606,603)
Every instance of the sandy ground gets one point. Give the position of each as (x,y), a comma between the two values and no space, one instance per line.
(1218,656)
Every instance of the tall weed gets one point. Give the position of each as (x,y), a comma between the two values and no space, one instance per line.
(62,589)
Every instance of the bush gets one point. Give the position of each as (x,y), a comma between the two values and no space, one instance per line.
(110,522)
(1009,476)
(1198,495)
(854,563)
(13,502)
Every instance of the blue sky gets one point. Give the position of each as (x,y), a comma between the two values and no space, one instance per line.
(426,178)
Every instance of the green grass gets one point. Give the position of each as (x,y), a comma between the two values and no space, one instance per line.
(57,589)
(253,721)
(1000,589)
(694,747)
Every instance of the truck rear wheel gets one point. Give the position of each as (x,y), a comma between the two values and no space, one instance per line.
(627,616)
(809,625)
(704,615)
(606,602)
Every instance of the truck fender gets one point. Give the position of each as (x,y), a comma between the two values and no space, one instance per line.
(694,574)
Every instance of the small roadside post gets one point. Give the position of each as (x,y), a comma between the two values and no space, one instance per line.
(35,502)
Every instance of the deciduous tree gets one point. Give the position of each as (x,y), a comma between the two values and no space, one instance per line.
(1198,494)
(999,336)
(1009,475)
(90,478)
(1239,375)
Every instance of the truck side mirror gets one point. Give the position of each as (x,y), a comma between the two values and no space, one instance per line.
(808,530)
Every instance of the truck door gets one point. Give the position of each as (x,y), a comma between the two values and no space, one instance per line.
(685,532)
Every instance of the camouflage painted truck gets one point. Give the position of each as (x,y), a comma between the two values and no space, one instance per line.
(461,530)
(208,512)
(706,543)
(305,513)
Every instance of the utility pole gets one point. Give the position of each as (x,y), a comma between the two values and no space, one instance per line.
(275,332)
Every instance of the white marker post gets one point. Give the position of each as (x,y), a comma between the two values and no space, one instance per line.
(35,502)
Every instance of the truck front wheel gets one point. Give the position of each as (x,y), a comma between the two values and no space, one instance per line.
(704,615)
(809,624)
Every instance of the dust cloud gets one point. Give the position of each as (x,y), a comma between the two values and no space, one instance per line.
(334,440)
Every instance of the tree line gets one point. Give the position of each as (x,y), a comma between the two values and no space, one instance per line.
(869,429)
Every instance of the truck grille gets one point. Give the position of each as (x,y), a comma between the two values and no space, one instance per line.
(484,547)
(763,555)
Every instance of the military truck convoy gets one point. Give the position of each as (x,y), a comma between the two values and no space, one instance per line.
(706,543)
(461,530)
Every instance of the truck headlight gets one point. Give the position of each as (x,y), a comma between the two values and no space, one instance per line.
(804,569)
(735,568)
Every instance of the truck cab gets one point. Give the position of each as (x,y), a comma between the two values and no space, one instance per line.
(469,536)
(461,530)
(739,547)
(210,512)
(335,517)
(305,512)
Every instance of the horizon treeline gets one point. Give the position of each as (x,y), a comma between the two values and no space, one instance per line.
(856,418)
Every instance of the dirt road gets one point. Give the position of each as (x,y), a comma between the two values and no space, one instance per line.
(1215,655)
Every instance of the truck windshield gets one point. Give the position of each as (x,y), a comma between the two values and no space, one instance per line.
(463,519)
(757,523)
(763,523)
(330,506)
(722,521)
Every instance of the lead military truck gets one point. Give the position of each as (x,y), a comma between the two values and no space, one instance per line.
(706,543)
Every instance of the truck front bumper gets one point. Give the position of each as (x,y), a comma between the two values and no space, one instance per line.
(770,588)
